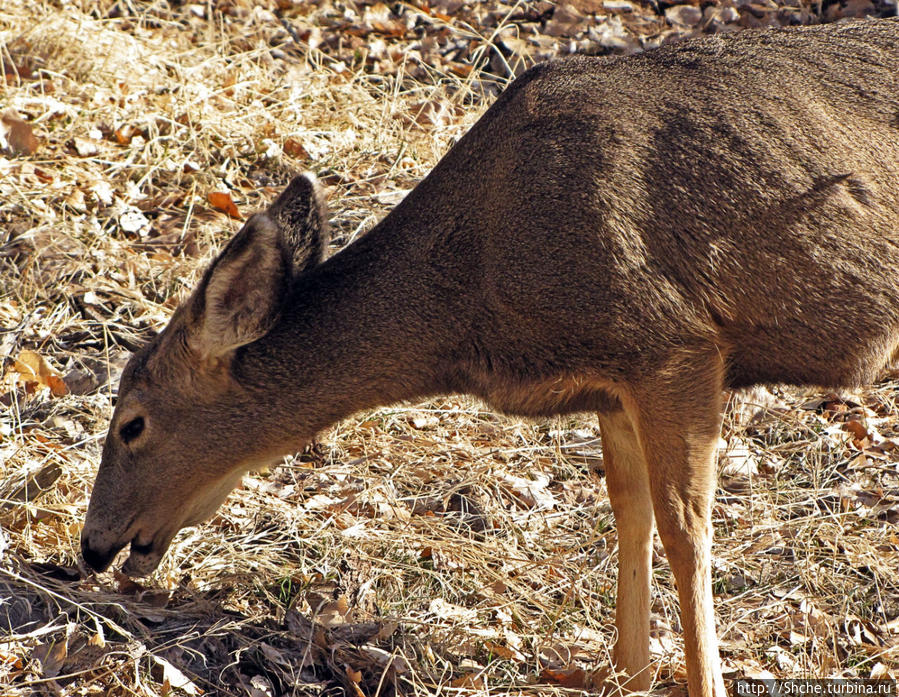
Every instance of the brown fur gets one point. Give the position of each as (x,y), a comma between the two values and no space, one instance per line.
(625,235)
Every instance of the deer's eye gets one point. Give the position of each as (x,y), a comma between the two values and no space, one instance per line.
(132,429)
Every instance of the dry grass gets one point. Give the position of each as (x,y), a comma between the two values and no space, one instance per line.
(424,549)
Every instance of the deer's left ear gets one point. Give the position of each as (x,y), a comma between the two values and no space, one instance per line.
(242,292)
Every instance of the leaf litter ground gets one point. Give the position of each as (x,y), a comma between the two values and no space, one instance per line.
(422,549)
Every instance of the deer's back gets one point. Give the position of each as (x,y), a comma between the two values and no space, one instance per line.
(739,190)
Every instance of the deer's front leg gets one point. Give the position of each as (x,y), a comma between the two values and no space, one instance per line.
(678,419)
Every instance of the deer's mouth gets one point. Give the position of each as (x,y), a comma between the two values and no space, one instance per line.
(96,558)
(144,557)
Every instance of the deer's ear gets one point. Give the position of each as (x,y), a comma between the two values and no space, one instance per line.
(301,214)
(242,292)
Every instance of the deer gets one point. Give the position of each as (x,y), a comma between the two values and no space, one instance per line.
(631,236)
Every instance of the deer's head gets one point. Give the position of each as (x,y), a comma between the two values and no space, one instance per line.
(186,427)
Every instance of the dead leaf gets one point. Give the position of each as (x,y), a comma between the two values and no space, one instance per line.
(42,176)
(568,677)
(425,422)
(31,364)
(36,484)
(34,370)
(13,73)
(221,201)
(683,15)
(384,659)
(448,611)
(619,6)
(856,428)
(11,661)
(861,632)
(567,21)
(355,676)
(167,673)
(294,148)
(736,458)
(124,134)
(387,630)
(127,586)
(881,672)
(132,220)
(532,492)
(76,201)
(85,147)
(461,69)
(853,8)
(499,587)
(103,191)
(503,651)
(17,134)
(57,386)
(261,686)
(309,634)
(51,656)
(55,571)
(471,681)
(334,613)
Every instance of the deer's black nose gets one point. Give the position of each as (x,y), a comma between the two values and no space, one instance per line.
(97,559)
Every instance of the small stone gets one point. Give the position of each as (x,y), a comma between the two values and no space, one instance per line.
(685,15)
(566,21)
(132,220)
(85,147)
(728,14)
(619,6)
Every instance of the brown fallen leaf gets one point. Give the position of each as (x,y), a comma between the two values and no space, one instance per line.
(355,677)
(471,681)
(568,677)
(501,651)
(42,176)
(51,657)
(683,15)
(334,613)
(18,134)
(567,20)
(461,69)
(857,429)
(127,586)
(9,660)
(124,134)
(294,148)
(30,364)
(36,485)
(221,201)
(385,659)
(34,371)
(167,674)
(862,632)
(57,386)
(14,73)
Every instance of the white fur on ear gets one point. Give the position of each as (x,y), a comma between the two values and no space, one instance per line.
(244,289)
(301,215)
(241,295)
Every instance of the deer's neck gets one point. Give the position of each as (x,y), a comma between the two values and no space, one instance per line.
(371,326)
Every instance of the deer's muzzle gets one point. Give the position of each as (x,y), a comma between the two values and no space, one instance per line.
(98,556)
